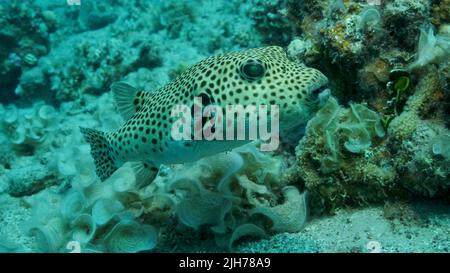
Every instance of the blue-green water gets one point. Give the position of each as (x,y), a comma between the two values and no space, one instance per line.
(361,161)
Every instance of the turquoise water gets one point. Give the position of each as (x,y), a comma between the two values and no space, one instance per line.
(358,121)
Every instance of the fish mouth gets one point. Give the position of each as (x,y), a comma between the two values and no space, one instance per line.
(317,92)
(320,95)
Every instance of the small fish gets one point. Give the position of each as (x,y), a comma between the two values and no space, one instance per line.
(261,76)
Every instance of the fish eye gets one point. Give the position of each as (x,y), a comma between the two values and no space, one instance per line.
(252,70)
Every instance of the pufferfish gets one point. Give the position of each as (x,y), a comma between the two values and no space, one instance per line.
(261,76)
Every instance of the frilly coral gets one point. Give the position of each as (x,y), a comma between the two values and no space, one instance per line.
(289,216)
(203,207)
(356,128)
(100,217)
(73,205)
(348,159)
(238,194)
(227,241)
(432,48)
(28,129)
(49,237)
(130,236)
(105,209)
(83,228)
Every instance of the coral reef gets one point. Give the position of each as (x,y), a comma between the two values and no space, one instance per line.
(237,195)
(382,138)
(99,63)
(382,56)
(403,19)
(98,216)
(343,161)
(43,160)
(348,38)
(440,12)
(104,47)
(25,38)
(272,21)
(416,131)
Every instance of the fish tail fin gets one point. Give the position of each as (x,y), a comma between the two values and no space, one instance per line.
(100,151)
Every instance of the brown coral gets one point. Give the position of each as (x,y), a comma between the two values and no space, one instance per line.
(440,12)
(397,167)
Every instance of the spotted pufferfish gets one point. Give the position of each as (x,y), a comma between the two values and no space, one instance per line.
(261,76)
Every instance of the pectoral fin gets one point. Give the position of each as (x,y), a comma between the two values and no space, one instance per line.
(128,98)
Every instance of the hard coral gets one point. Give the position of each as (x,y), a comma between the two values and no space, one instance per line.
(25,38)
(415,131)
(271,20)
(440,12)
(409,161)
(403,19)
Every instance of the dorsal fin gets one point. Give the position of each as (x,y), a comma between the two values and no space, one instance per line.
(127,99)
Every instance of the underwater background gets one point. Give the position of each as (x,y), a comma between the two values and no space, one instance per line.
(369,173)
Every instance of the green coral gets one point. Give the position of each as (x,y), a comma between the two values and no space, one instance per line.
(236,195)
(355,128)
(344,160)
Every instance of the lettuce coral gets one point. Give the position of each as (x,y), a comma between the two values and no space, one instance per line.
(432,48)
(130,236)
(104,210)
(355,127)
(73,205)
(238,194)
(347,159)
(26,133)
(83,228)
(49,237)
(27,129)
(289,216)
(100,213)
(203,208)
(338,161)
(226,241)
